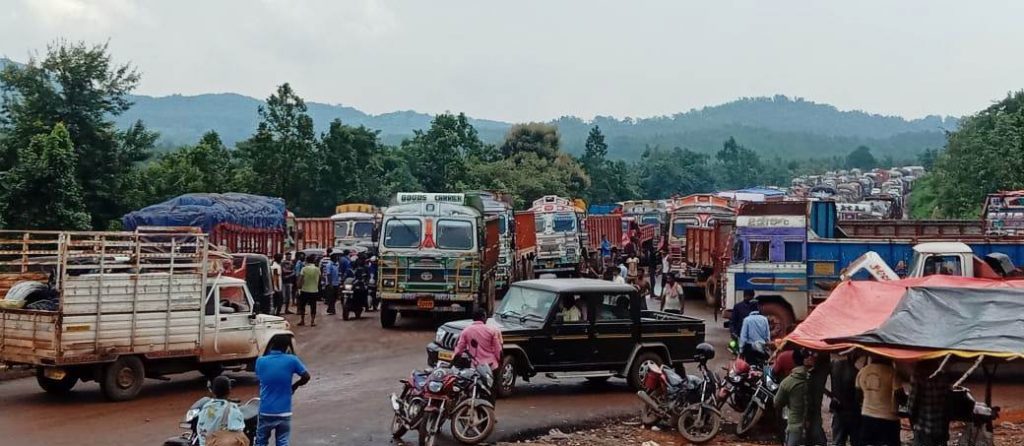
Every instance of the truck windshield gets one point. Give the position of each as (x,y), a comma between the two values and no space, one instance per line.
(942,265)
(402,233)
(564,223)
(522,302)
(650,220)
(679,227)
(362,229)
(455,234)
(341,229)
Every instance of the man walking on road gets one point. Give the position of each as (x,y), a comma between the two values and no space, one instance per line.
(333,282)
(309,288)
(288,271)
(275,371)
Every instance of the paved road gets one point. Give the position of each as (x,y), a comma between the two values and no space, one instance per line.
(355,366)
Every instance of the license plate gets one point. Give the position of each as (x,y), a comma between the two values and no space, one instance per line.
(54,373)
(425,303)
(445,356)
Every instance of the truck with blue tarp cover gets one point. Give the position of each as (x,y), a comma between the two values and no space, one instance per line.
(235,221)
(792,254)
(437,252)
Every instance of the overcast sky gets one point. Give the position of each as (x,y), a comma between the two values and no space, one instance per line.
(535,60)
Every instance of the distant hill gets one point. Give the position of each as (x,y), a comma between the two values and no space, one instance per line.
(777,125)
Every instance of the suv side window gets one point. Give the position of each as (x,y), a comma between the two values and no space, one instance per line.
(614,307)
(572,309)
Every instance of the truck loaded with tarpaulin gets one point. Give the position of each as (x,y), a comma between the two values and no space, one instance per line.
(235,221)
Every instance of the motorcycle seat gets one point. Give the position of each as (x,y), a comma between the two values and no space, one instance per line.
(672,377)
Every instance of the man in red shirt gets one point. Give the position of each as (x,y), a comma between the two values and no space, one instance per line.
(482,341)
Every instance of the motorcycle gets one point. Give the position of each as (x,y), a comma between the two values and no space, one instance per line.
(690,403)
(354,295)
(761,401)
(977,417)
(409,404)
(463,396)
(250,413)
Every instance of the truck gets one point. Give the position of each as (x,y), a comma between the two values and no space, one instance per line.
(120,307)
(792,254)
(614,337)
(623,233)
(646,213)
(356,227)
(698,214)
(708,254)
(516,248)
(438,253)
(561,237)
(233,221)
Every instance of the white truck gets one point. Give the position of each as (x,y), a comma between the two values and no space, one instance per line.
(119,307)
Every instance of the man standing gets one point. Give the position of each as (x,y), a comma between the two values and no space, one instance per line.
(880,423)
(288,270)
(331,287)
(740,311)
(606,247)
(792,396)
(482,341)
(754,332)
(844,406)
(309,288)
(672,296)
(632,268)
(300,263)
(928,405)
(275,371)
(277,280)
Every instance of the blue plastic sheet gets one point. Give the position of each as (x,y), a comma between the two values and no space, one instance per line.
(209,210)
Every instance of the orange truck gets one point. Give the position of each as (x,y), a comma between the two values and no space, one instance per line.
(697,236)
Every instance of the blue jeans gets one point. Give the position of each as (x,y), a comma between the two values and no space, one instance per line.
(280,426)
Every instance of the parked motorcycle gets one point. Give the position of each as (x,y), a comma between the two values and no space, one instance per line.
(409,404)
(462,395)
(761,401)
(688,403)
(250,412)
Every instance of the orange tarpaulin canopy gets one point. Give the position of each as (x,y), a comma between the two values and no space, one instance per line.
(855,307)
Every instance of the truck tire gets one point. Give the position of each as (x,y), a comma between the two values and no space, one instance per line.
(639,368)
(56,386)
(122,379)
(505,382)
(781,319)
(711,292)
(388,317)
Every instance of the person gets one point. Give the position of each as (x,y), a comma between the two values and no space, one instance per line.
(277,279)
(740,311)
(880,423)
(482,341)
(754,332)
(784,364)
(275,371)
(815,433)
(325,261)
(623,271)
(220,420)
(288,270)
(606,247)
(632,268)
(570,312)
(844,404)
(345,265)
(331,286)
(792,396)
(643,287)
(928,394)
(652,264)
(666,270)
(300,263)
(308,290)
(672,296)
(371,268)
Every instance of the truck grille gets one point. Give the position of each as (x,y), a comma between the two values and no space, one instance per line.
(425,275)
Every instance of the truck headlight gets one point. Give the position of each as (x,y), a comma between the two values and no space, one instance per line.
(465,283)
(388,283)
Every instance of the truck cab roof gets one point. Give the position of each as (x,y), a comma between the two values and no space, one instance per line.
(942,248)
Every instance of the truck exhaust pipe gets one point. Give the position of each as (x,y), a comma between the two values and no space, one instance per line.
(651,403)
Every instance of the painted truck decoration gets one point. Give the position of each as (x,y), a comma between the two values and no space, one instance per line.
(437,253)
(559,229)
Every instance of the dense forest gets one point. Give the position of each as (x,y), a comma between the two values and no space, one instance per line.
(69,160)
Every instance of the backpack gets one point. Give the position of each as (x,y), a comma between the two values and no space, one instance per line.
(222,436)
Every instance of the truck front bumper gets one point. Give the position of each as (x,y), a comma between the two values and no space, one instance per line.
(425,301)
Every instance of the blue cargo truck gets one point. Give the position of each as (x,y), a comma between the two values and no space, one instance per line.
(791,254)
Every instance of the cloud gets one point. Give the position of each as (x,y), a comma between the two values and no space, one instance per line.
(97,15)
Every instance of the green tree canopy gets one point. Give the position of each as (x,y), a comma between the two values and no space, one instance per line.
(535,137)
(674,172)
(41,191)
(438,154)
(861,158)
(204,167)
(738,166)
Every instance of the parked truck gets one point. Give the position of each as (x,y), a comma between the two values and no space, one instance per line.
(516,248)
(560,235)
(708,219)
(792,254)
(233,221)
(437,253)
(119,307)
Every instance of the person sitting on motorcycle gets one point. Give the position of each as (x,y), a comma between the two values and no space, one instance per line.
(755,330)
(220,421)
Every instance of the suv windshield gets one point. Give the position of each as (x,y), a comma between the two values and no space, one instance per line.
(455,234)
(362,229)
(402,233)
(522,302)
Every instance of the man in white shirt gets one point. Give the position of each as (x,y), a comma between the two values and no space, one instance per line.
(277,281)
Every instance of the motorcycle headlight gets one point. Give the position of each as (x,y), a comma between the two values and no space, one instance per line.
(435,386)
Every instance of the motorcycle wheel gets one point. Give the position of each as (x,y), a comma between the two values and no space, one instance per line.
(698,424)
(428,438)
(398,428)
(472,424)
(749,418)
(648,417)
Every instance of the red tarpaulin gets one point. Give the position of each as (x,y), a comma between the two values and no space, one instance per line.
(855,307)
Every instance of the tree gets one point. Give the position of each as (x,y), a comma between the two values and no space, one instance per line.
(80,86)
(280,156)
(595,151)
(675,172)
(861,158)
(351,166)
(204,167)
(438,154)
(738,166)
(42,191)
(539,138)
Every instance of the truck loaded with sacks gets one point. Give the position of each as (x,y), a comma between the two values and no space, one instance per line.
(120,307)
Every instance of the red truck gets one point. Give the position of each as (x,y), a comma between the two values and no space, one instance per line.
(708,254)
(621,232)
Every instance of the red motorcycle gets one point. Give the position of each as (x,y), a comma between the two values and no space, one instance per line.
(463,396)
(688,403)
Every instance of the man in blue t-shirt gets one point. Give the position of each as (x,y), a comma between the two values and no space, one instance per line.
(275,371)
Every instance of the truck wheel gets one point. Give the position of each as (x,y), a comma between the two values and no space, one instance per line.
(711,292)
(506,379)
(211,371)
(780,319)
(388,317)
(122,380)
(56,386)
(639,368)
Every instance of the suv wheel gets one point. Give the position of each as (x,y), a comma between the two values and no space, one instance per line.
(506,379)
(639,368)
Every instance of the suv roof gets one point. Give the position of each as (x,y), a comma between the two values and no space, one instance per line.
(576,286)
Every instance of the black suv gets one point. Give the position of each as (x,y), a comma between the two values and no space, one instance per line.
(584,328)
